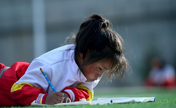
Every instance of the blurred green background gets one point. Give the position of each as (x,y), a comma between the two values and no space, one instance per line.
(28,28)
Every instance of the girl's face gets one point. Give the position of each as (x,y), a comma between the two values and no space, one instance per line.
(95,70)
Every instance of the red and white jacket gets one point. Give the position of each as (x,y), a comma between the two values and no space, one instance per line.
(23,82)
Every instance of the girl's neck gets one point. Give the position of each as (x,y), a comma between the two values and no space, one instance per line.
(78,60)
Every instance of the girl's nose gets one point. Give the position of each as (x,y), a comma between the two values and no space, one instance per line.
(99,74)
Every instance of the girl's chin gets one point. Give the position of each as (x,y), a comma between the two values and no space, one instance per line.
(90,80)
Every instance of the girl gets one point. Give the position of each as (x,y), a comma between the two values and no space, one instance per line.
(74,69)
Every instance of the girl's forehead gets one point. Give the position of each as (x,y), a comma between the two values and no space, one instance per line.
(106,63)
(105,60)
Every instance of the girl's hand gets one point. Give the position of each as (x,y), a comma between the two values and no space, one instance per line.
(57,97)
(66,98)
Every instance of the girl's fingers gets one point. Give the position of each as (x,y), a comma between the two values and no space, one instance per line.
(61,99)
(59,94)
(68,100)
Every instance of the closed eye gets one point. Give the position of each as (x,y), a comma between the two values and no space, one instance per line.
(100,68)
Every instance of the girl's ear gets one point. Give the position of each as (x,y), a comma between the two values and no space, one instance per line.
(81,55)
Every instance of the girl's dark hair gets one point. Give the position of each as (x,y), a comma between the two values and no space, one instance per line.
(96,41)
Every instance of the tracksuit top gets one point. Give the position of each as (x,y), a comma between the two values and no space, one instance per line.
(28,83)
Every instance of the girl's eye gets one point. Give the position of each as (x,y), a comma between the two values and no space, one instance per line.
(100,68)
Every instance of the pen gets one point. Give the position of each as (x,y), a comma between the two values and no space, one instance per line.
(47,79)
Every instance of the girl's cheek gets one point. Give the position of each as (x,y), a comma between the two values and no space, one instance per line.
(96,70)
(93,71)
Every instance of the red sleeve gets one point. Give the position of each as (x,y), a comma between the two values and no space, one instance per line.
(76,94)
(25,93)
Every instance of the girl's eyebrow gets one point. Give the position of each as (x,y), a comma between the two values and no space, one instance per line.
(104,68)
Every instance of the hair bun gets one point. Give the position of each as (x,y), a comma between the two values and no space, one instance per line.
(96,17)
(104,23)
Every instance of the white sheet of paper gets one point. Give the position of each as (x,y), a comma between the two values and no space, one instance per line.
(130,99)
(102,101)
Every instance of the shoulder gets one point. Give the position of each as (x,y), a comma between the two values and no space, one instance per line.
(61,49)
(57,55)
(169,68)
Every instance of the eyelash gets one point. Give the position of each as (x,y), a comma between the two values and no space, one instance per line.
(100,68)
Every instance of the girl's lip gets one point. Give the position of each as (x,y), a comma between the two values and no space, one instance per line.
(94,79)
